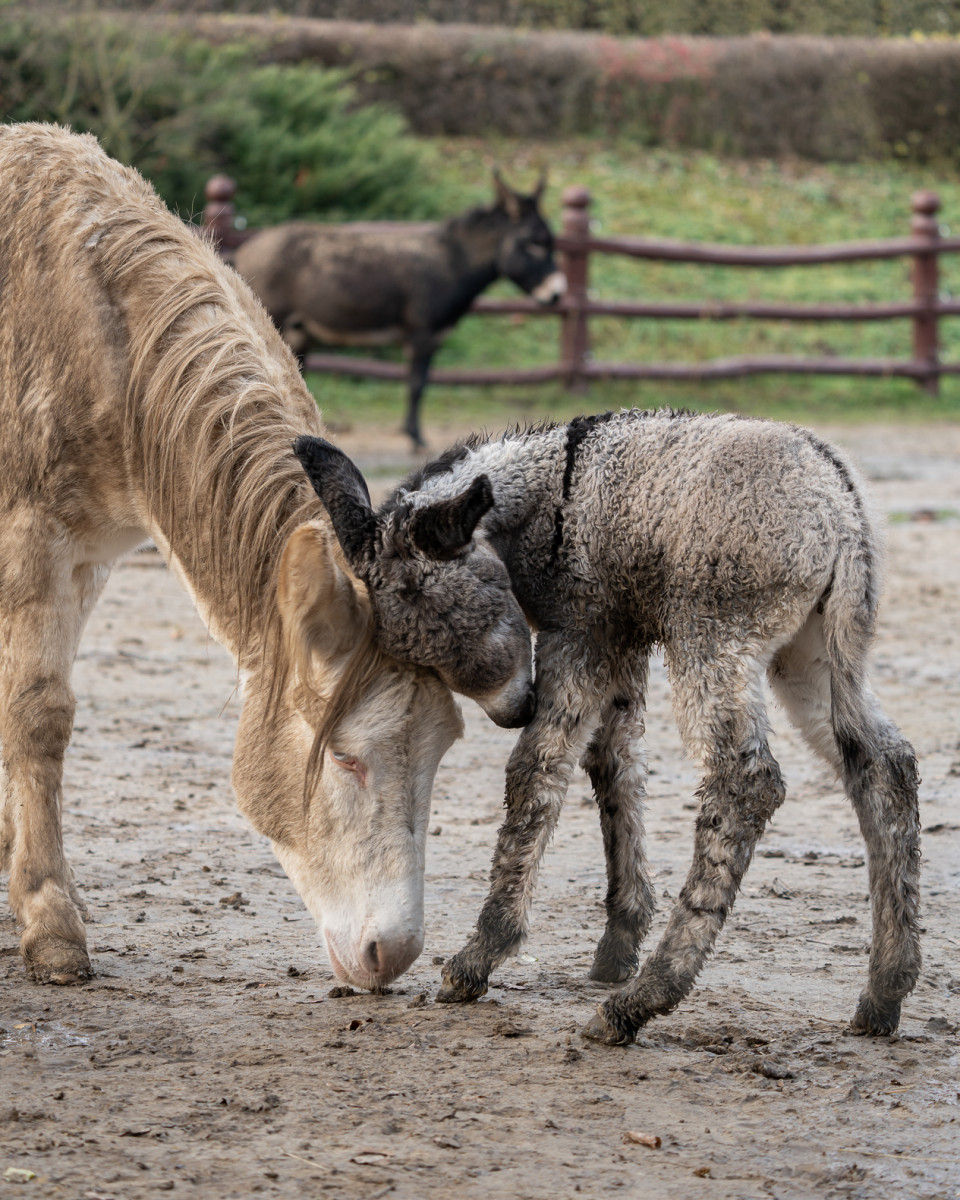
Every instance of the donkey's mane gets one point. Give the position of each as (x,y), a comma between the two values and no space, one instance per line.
(212,411)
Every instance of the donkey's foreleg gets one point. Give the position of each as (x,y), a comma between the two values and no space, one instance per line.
(538,773)
(41,615)
(617,768)
(422,350)
(738,798)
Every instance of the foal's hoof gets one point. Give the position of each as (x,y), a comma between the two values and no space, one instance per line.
(598,1029)
(460,990)
(58,962)
(618,952)
(611,970)
(874,1019)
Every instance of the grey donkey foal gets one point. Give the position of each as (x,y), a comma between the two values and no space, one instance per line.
(745,549)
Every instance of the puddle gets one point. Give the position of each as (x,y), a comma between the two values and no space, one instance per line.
(48,1035)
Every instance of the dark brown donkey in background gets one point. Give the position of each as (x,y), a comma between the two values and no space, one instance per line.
(373,284)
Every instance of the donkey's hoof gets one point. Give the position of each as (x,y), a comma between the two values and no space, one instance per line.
(875,1019)
(58,962)
(598,1029)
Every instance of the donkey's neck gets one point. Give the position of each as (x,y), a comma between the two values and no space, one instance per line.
(212,413)
(472,244)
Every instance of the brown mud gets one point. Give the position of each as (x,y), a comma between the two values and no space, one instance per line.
(209,1059)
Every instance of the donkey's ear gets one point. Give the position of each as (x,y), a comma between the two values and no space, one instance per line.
(344,493)
(506,196)
(443,529)
(319,607)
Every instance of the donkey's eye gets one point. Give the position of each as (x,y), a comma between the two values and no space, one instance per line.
(347,761)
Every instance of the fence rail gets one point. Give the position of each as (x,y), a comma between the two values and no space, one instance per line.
(576,366)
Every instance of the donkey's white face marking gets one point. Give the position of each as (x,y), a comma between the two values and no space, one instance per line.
(552,288)
(352,834)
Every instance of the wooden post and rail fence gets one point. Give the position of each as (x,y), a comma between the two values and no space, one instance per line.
(576,367)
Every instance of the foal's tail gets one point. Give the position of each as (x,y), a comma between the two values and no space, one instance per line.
(849,617)
(849,621)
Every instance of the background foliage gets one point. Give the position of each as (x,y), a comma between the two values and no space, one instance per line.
(645,18)
(180,108)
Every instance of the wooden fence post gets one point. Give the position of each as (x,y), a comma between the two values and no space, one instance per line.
(219,211)
(575,334)
(926,349)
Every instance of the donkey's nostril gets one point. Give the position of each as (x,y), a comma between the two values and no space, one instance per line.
(371,957)
(384,957)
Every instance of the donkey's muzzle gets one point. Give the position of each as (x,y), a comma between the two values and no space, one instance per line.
(377,960)
(552,290)
(515,715)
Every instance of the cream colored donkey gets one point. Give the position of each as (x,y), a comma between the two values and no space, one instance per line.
(145,394)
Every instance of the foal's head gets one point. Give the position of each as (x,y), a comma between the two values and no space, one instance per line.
(440,599)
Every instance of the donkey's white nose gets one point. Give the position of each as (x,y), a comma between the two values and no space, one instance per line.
(382,959)
(552,288)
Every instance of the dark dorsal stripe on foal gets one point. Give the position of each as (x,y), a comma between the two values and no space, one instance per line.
(578,430)
(872,596)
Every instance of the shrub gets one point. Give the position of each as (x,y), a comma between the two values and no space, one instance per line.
(180,108)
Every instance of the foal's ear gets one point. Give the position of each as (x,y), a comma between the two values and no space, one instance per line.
(319,606)
(344,493)
(443,529)
(506,195)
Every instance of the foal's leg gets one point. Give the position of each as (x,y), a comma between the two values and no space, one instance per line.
(821,691)
(538,773)
(617,768)
(719,707)
(43,606)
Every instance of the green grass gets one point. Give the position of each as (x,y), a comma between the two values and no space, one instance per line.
(693,197)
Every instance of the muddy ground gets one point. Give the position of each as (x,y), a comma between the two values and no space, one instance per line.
(208,1059)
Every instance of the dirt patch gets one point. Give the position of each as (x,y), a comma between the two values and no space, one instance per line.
(209,1058)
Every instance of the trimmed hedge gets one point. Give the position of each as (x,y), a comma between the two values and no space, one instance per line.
(820,98)
(652,18)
